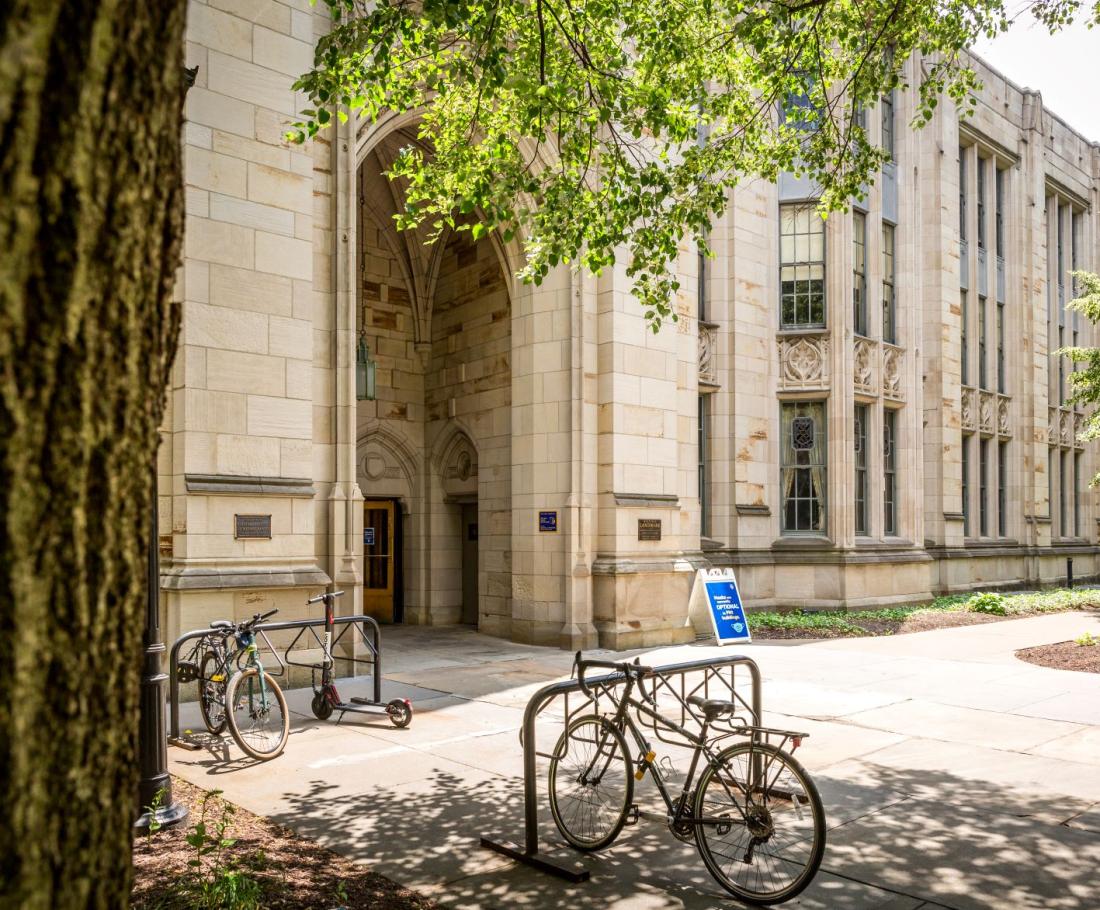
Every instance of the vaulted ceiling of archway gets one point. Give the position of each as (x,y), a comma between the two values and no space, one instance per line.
(382,199)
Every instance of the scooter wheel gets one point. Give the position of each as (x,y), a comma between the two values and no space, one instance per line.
(400,712)
(322,707)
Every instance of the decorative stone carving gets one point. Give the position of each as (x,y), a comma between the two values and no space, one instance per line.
(969,411)
(986,412)
(891,372)
(804,362)
(863,369)
(708,354)
(1052,425)
(1004,424)
(1078,426)
(459,466)
(1065,428)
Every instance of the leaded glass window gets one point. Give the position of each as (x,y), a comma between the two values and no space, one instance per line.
(860,438)
(889,470)
(889,309)
(802,267)
(803,468)
(859,272)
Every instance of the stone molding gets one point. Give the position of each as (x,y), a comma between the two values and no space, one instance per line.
(202,578)
(708,354)
(864,360)
(804,362)
(241,485)
(893,359)
(647,500)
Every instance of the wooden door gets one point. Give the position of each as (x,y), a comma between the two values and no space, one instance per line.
(378,559)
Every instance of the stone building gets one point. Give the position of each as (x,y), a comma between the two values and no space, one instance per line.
(860,411)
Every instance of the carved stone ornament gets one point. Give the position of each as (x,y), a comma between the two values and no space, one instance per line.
(969,414)
(804,362)
(1078,426)
(1004,424)
(708,354)
(863,365)
(986,411)
(891,372)
(1065,426)
(1052,425)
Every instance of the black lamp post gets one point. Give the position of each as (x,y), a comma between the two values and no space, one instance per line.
(152,734)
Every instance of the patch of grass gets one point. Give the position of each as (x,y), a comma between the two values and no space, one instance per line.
(852,622)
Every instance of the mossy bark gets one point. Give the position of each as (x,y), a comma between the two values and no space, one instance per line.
(91,98)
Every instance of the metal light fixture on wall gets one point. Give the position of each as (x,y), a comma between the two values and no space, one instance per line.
(364,372)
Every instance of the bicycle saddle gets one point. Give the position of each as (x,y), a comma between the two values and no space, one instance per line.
(712,708)
(221,624)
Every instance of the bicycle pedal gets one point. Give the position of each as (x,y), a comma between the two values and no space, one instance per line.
(632,816)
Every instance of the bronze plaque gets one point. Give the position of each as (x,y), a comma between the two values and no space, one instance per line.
(252,527)
(649,529)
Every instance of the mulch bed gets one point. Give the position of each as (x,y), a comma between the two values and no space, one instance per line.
(293,872)
(1065,655)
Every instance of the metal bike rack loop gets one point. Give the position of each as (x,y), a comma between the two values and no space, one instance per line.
(663,679)
(374,645)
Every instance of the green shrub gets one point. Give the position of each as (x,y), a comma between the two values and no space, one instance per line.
(1088,640)
(988,602)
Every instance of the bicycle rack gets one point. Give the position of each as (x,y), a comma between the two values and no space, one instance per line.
(714,682)
(373,643)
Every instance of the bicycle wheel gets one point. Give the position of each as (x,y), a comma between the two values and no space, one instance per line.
(258,718)
(591,783)
(212,692)
(761,834)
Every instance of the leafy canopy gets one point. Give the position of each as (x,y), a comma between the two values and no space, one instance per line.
(590,127)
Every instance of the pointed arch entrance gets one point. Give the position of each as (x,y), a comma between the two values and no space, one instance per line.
(434,447)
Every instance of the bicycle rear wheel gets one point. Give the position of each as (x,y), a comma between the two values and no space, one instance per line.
(760,825)
(257,716)
(591,785)
(212,692)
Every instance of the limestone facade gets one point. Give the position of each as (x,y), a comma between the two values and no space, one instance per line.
(860,411)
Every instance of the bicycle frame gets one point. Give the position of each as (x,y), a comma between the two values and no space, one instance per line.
(678,809)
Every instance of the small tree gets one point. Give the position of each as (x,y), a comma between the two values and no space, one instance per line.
(591,126)
(1085,383)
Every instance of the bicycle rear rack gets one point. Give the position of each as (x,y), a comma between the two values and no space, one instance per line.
(718,674)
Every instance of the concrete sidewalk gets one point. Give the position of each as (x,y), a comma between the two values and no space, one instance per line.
(953,774)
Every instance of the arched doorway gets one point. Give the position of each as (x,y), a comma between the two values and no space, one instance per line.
(437,321)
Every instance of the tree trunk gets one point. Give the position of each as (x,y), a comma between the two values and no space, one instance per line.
(91,95)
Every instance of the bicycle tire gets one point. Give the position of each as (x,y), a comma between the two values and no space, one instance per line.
(212,692)
(787,791)
(585,739)
(233,703)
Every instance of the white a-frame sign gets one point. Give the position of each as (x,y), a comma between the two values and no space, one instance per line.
(715,600)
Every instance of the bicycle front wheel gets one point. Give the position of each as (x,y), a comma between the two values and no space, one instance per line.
(591,784)
(760,825)
(257,714)
(212,692)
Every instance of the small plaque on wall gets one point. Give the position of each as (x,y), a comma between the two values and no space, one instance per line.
(252,527)
(548,521)
(649,529)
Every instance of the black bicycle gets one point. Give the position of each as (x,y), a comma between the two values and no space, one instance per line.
(236,691)
(754,814)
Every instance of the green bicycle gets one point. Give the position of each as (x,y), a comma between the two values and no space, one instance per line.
(236,691)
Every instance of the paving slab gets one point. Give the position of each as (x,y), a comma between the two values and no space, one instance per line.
(953,774)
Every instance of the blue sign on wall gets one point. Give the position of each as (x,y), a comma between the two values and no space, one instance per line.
(548,521)
(726,612)
(368,537)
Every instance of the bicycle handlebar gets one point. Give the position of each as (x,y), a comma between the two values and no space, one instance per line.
(325,596)
(256,617)
(634,671)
